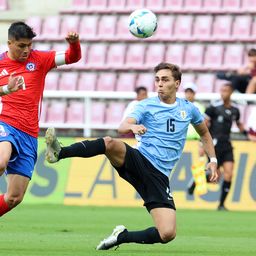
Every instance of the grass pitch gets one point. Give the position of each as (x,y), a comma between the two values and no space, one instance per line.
(51,230)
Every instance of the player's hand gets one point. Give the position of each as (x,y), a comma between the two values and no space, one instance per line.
(15,83)
(139,129)
(212,167)
(72,37)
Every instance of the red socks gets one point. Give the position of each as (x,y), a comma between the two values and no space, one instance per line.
(4,208)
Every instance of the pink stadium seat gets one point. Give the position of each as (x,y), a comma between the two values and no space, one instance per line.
(116,5)
(135,56)
(222,27)
(183,27)
(96,56)
(253,33)
(107,27)
(147,80)
(98,112)
(44,109)
(193,5)
(115,112)
(75,112)
(246,5)
(134,4)
(69,23)
(116,55)
(79,5)
(36,23)
(87,81)
(4,5)
(88,27)
(52,81)
(68,81)
(242,27)
(231,5)
(51,27)
(175,54)
(213,56)
(212,6)
(56,112)
(186,77)
(164,28)
(126,82)
(42,46)
(202,27)
(233,57)
(155,5)
(122,32)
(205,82)
(154,55)
(194,55)
(106,82)
(97,5)
(174,5)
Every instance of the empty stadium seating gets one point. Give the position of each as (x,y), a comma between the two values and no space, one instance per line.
(75,112)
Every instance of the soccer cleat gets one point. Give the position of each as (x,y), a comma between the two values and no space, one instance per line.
(111,241)
(53,146)
(222,208)
(191,187)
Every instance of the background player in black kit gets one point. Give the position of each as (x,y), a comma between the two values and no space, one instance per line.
(219,118)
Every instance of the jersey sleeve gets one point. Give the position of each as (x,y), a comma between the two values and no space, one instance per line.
(47,59)
(138,112)
(210,112)
(197,117)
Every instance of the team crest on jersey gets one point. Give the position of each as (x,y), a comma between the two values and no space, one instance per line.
(31,66)
(183,114)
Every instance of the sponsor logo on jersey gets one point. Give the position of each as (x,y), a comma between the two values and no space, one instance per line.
(31,66)
(4,72)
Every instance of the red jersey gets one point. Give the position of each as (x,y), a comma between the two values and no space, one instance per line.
(21,109)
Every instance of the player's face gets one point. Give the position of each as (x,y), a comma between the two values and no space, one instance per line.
(252,60)
(166,85)
(19,49)
(189,95)
(226,92)
(142,95)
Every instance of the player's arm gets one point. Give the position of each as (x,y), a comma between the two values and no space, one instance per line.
(206,139)
(129,125)
(72,54)
(15,83)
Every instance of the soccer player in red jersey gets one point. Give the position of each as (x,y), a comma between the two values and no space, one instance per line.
(21,96)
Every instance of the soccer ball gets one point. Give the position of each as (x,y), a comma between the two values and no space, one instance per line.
(142,23)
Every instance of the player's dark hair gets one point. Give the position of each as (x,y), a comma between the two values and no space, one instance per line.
(176,73)
(19,30)
(252,52)
(140,88)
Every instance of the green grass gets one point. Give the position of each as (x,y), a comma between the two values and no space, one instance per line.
(51,230)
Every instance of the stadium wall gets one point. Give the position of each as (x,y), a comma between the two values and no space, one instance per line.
(93,181)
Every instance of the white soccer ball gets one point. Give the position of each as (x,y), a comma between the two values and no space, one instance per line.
(142,23)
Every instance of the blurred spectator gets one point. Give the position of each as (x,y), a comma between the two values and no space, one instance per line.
(244,80)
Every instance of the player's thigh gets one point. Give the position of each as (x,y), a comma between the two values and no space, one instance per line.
(165,221)
(5,154)
(17,185)
(115,151)
(228,168)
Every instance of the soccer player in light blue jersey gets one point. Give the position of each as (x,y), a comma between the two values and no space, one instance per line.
(162,122)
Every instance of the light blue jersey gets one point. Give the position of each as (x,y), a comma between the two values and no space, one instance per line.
(167,127)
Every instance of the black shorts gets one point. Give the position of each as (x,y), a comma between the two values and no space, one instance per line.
(151,184)
(224,152)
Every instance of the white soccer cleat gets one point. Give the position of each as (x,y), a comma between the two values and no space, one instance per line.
(111,241)
(53,146)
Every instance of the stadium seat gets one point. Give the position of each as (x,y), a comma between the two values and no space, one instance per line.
(246,5)
(155,5)
(96,56)
(186,77)
(205,82)
(4,5)
(193,5)
(212,6)
(78,5)
(44,109)
(107,27)
(147,80)
(233,56)
(231,6)
(106,82)
(183,27)
(154,55)
(164,28)
(42,46)
(51,28)
(75,112)
(173,5)
(126,82)
(116,5)
(114,113)
(222,27)
(36,23)
(242,27)
(135,56)
(69,23)
(97,5)
(175,54)
(132,5)
(213,56)
(56,112)
(88,27)
(116,55)
(194,55)
(122,32)
(202,27)
(87,81)
(68,81)
(52,81)
(98,112)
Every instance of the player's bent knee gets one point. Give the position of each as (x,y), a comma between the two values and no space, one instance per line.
(13,201)
(109,143)
(167,235)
